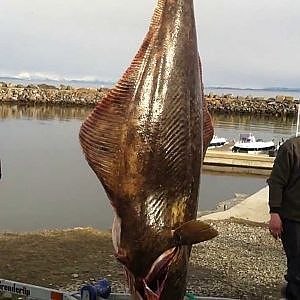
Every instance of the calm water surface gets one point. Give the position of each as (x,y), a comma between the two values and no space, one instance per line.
(47,184)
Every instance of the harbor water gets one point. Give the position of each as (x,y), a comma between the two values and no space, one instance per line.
(47,184)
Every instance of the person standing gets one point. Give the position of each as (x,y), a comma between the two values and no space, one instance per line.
(284,203)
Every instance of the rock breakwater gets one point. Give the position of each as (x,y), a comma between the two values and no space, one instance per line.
(69,96)
(277,106)
(44,94)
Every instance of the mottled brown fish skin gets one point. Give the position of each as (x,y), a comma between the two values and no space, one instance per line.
(146,140)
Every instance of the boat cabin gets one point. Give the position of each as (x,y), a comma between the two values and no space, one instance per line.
(247,138)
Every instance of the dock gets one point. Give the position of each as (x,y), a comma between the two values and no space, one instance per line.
(224,160)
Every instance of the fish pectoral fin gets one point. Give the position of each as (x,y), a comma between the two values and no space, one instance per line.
(194,232)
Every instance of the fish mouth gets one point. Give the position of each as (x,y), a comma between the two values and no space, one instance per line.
(153,284)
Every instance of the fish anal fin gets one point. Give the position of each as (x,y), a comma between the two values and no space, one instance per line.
(208,130)
(194,232)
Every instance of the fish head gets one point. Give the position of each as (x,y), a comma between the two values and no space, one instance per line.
(165,276)
(169,267)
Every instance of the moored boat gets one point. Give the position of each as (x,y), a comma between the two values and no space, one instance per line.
(248,144)
(217,142)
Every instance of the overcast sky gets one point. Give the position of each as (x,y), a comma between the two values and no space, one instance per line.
(253,43)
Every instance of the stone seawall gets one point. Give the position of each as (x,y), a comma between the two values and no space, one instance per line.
(278,106)
(44,94)
(66,95)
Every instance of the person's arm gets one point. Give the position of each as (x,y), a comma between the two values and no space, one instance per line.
(280,175)
(277,182)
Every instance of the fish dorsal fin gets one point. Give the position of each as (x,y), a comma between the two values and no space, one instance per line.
(194,232)
(157,13)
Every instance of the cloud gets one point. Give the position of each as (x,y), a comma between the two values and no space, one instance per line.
(249,43)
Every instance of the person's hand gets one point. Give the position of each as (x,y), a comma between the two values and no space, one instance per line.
(275,225)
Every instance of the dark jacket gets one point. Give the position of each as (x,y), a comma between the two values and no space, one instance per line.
(284,181)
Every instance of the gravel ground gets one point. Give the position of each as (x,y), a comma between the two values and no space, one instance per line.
(243,262)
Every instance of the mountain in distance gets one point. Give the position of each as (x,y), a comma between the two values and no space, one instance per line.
(272,89)
(92,83)
(98,83)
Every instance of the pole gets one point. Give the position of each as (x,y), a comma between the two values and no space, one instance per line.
(298,117)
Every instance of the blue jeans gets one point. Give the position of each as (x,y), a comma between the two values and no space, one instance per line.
(291,244)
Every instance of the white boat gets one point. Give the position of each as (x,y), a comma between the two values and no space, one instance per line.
(248,144)
(217,142)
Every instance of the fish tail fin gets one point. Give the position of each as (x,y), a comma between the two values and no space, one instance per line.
(194,232)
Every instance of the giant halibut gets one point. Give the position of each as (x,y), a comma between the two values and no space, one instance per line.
(146,140)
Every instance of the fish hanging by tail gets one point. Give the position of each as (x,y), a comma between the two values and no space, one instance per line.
(146,140)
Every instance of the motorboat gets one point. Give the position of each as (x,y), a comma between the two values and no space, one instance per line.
(248,144)
(217,142)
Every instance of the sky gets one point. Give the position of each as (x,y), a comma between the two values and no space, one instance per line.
(254,43)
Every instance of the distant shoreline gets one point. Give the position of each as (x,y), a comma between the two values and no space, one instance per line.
(66,95)
(90,82)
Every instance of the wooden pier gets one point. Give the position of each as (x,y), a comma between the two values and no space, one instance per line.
(221,160)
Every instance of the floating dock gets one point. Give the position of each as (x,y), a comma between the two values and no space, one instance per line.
(221,160)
